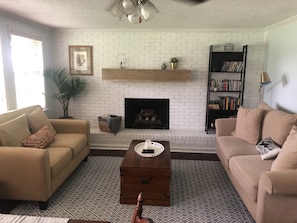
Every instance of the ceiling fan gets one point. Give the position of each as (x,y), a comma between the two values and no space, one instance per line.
(138,11)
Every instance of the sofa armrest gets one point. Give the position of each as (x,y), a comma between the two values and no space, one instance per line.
(280,182)
(225,126)
(71,126)
(24,173)
(277,197)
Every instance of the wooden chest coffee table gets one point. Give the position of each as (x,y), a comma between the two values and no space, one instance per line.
(150,175)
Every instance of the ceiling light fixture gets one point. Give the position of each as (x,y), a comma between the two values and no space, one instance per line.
(136,11)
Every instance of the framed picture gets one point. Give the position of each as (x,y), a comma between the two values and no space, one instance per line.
(80,60)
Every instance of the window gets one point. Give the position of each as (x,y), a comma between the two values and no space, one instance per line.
(27,63)
(3,105)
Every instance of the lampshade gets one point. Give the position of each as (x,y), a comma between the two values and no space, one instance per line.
(265,79)
(127,7)
(135,17)
(148,10)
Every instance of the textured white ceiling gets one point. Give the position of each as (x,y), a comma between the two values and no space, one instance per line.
(213,14)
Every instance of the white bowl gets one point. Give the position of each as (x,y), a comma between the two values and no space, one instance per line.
(157,147)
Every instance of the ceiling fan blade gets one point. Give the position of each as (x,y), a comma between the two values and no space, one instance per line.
(191,2)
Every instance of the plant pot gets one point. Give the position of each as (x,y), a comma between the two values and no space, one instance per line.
(173,65)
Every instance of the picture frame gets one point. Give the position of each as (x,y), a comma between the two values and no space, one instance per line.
(81,60)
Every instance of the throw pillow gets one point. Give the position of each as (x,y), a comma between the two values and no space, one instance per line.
(268,149)
(14,131)
(41,139)
(287,158)
(37,119)
(277,125)
(265,106)
(248,124)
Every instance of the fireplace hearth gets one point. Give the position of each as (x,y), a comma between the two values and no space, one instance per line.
(146,113)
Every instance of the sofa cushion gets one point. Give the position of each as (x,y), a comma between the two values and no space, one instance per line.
(5,117)
(229,146)
(277,125)
(14,131)
(37,119)
(248,124)
(59,158)
(40,139)
(75,141)
(247,170)
(287,158)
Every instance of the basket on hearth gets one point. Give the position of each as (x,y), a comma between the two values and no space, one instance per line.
(109,123)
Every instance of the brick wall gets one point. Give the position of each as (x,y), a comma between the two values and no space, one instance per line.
(149,49)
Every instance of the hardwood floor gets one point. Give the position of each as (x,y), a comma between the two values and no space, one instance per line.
(7,205)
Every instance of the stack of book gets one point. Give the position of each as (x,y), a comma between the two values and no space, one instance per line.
(225,85)
(232,66)
(229,103)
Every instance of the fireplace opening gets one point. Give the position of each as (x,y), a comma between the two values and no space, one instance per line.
(146,113)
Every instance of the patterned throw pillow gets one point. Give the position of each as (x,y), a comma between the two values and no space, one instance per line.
(268,149)
(41,139)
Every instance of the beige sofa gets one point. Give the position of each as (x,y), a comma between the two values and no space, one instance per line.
(267,187)
(34,174)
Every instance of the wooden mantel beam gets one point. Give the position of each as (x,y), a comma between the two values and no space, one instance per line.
(146,75)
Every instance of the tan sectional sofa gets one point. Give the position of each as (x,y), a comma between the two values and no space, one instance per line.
(34,174)
(267,187)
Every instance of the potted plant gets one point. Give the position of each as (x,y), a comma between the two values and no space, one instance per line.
(66,86)
(173,63)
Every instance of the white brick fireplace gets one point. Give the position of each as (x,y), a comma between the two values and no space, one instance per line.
(148,50)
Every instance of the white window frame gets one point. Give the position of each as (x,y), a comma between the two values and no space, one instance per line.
(3,103)
(28,69)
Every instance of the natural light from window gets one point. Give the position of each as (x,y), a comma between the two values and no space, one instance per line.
(27,63)
(3,105)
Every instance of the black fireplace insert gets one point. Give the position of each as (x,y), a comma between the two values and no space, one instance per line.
(146,113)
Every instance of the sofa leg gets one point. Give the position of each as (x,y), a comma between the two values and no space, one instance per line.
(43,205)
(86,158)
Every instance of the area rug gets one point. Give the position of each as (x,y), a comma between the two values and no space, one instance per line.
(200,192)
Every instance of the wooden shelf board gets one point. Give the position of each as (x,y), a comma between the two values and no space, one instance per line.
(146,75)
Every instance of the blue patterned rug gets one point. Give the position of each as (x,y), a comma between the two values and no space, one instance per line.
(200,192)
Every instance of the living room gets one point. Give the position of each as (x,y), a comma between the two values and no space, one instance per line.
(191,46)
(271,48)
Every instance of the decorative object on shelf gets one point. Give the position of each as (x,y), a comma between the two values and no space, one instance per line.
(173,63)
(136,11)
(229,47)
(80,60)
(121,59)
(264,80)
(163,66)
(67,87)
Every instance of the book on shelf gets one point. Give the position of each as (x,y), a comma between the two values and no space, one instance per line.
(232,66)
(229,103)
(225,85)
